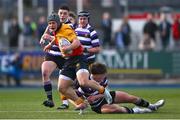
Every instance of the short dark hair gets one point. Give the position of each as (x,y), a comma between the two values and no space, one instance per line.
(64,7)
(98,68)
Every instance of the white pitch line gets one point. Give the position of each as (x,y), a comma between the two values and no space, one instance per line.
(69,111)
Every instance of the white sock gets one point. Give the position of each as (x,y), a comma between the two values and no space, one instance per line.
(65,102)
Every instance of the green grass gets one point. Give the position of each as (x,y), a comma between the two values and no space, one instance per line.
(27,104)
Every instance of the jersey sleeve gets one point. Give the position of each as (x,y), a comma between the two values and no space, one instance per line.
(71,34)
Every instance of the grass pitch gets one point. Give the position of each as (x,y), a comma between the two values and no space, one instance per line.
(26,103)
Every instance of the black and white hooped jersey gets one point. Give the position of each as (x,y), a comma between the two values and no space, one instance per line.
(86,92)
(88,38)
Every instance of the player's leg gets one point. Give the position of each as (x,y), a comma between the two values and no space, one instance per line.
(65,102)
(83,79)
(65,87)
(47,68)
(114,108)
(123,97)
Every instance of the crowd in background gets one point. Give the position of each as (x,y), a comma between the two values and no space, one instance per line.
(153,30)
(165,30)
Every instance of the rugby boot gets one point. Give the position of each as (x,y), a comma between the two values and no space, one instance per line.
(48,103)
(156,105)
(63,106)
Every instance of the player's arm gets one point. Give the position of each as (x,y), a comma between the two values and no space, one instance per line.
(94,97)
(93,50)
(65,49)
(95,43)
(42,40)
(52,42)
(75,44)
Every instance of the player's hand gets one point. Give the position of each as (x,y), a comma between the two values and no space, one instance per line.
(66,50)
(47,47)
(46,38)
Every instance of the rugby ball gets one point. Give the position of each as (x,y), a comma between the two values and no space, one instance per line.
(64,42)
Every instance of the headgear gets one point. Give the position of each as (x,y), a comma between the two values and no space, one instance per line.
(84,13)
(54,17)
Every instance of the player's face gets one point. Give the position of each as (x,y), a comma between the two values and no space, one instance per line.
(83,21)
(52,25)
(98,77)
(73,21)
(63,14)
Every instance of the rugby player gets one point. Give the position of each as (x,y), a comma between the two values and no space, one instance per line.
(98,103)
(75,65)
(53,59)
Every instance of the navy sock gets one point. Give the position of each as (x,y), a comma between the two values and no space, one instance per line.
(48,89)
(129,110)
(142,103)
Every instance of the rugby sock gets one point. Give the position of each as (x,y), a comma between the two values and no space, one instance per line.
(142,103)
(48,89)
(101,90)
(63,97)
(129,110)
(64,100)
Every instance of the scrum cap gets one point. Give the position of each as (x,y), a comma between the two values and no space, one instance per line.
(84,14)
(54,17)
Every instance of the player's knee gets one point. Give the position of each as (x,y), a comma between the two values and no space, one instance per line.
(45,73)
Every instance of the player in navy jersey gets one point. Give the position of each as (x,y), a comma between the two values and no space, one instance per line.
(99,105)
(53,58)
(88,37)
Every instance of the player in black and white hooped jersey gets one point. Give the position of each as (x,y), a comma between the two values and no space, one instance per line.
(99,104)
(87,36)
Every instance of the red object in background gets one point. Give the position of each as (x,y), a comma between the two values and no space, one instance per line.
(144,15)
(138,16)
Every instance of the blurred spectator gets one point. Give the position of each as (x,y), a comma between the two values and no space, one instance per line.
(176,32)
(165,31)
(106,27)
(11,67)
(126,31)
(119,40)
(41,26)
(13,33)
(150,28)
(147,43)
(122,36)
(28,32)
